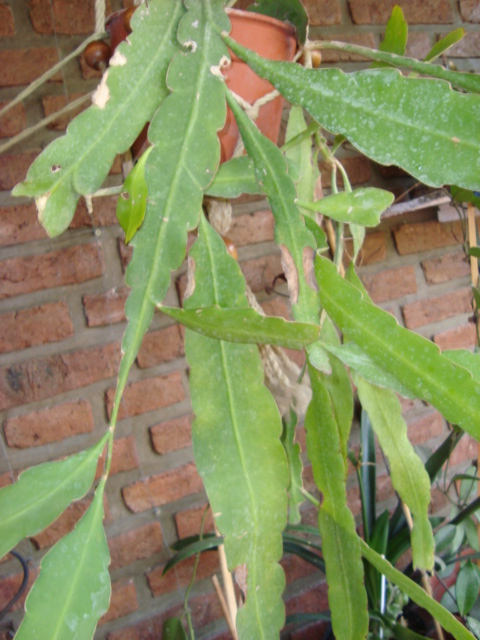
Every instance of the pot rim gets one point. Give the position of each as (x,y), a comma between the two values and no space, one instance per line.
(260,17)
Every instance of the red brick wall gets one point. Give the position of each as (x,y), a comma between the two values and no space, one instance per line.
(61,321)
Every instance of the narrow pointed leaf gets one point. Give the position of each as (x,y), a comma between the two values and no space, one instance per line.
(301,167)
(414,123)
(407,471)
(245,325)
(77,163)
(173,630)
(73,589)
(42,493)
(361,206)
(415,361)
(445,43)
(233,178)
(396,33)
(340,544)
(291,11)
(236,440)
(182,163)
(295,466)
(466,588)
(132,203)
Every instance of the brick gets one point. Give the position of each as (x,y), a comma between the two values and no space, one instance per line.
(424,236)
(124,456)
(37,325)
(295,568)
(49,425)
(48,377)
(125,252)
(13,122)
(122,602)
(426,428)
(105,308)
(466,449)
(7,24)
(374,249)
(260,273)
(379,11)
(160,346)
(148,395)
(103,214)
(73,265)
(418,45)
(357,168)
(446,267)
(310,632)
(205,609)
(22,66)
(422,312)
(14,166)
(68,18)
(250,228)
(463,337)
(19,223)
(172,435)
(62,525)
(312,600)
(391,283)
(147,629)
(362,39)
(52,104)
(136,544)
(10,585)
(179,576)
(323,13)
(470,10)
(163,488)
(466,48)
(188,522)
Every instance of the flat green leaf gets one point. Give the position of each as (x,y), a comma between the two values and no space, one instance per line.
(182,163)
(361,206)
(396,33)
(417,594)
(465,195)
(236,440)
(466,588)
(474,251)
(199,546)
(444,44)
(295,466)
(340,544)
(245,325)
(414,123)
(234,177)
(415,361)
(407,471)
(132,203)
(73,589)
(466,359)
(77,163)
(291,11)
(43,492)
(173,630)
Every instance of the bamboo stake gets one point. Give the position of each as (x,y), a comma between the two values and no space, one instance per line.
(223,604)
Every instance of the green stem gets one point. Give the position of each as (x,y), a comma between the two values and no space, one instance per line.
(309,497)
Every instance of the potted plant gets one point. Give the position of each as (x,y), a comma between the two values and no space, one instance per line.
(172,66)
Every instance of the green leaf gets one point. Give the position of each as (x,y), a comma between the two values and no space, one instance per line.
(237,428)
(417,594)
(245,325)
(467,586)
(340,544)
(78,163)
(361,206)
(466,359)
(132,203)
(295,466)
(173,630)
(465,195)
(445,43)
(234,177)
(396,33)
(415,361)
(414,123)
(474,626)
(73,589)
(291,11)
(474,251)
(182,163)
(203,544)
(407,471)
(43,492)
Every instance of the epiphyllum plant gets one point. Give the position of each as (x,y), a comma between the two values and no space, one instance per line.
(169,73)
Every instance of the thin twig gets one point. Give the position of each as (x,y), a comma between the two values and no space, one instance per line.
(227,581)
(224,606)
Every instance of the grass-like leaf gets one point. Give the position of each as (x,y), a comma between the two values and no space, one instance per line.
(233,178)
(42,493)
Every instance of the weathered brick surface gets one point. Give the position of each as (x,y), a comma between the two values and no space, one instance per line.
(47,377)
(250,228)
(160,346)
(123,601)
(21,66)
(124,457)
(466,48)
(172,434)
(391,284)
(446,267)
(181,575)
(135,544)
(49,425)
(470,10)
(425,428)
(261,272)
(62,525)
(148,395)
(7,23)
(163,488)
(13,122)
(462,337)
(19,223)
(189,522)
(35,326)
(43,271)
(312,600)
(418,237)
(69,18)
(418,45)
(14,166)
(10,585)
(147,629)
(357,168)
(374,249)
(379,11)
(105,308)
(417,314)
(323,13)
(466,449)
(52,104)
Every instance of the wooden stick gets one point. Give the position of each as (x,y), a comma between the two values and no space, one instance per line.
(227,581)
(223,604)
(472,241)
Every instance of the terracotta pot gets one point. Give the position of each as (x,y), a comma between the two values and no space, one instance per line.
(267,36)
